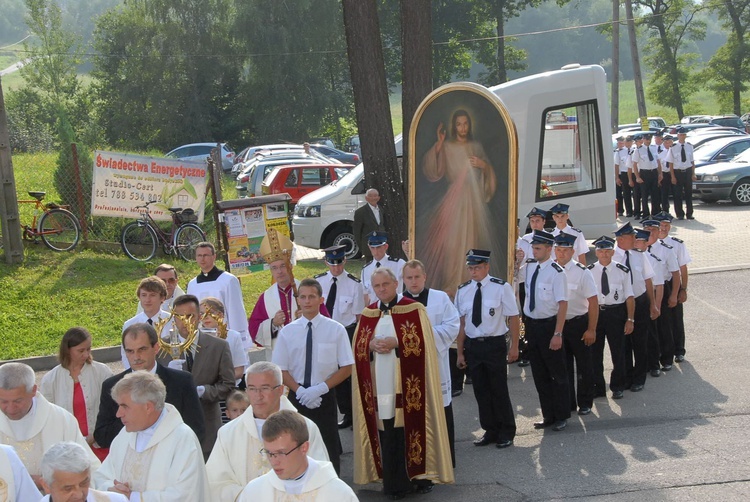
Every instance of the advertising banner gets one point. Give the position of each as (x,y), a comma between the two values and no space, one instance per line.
(122,182)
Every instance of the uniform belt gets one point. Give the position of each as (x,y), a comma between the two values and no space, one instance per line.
(576,318)
(609,307)
(546,319)
(485,338)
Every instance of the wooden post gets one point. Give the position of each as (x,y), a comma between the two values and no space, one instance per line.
(79,194)
(11,226)
(637,76)
(214,187)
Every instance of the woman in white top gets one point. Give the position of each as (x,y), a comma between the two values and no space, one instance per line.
(76,383)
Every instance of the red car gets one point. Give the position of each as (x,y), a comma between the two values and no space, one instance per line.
(301,179)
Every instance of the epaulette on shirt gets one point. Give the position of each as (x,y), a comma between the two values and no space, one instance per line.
(496,280)
(464,284)
(677,240)
(530,260)
(319,275)
(355,279)
(391,258)
(581,265)
(557,267)
(590,266)
(666,245)
(655,257)
(366,264)
(623,268)
(577,230)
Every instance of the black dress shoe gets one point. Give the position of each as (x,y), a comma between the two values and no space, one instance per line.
(422,489)
(543,424)
(680,218)
(468,380)
(679,359)
(396,496)
(636,387)
(691,217)
(655,373)
(617,394)
(523,363)
(505,443)
(560,425)
(584,411)
(456,393)
(345,422)
(483,441)
(666,367)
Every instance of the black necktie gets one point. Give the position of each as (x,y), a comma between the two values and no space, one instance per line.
(331,297)
(659,150)
(605,282)
(189,360)
(150,322)
(308,357)
(650,155)
(682,154)
(532,287)
(627,264)
(377,265)
(476,309)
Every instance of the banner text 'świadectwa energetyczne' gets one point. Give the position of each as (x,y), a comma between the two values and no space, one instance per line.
(123,181)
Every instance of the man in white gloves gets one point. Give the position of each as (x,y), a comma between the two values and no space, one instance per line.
(315,356)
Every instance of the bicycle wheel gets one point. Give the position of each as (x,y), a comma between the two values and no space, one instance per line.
(59,230)
(139,241)
(186,239)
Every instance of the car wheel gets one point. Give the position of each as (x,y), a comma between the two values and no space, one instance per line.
(344,235)
(740,194)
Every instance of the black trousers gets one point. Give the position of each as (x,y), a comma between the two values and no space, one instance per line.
(666,190)
(392,441)
(548,369)
(611,326)
(650,190)
(523,344)
(344,389)
(488,368)
(678,330)
(636,344)
(683,190)
(326,418)
(457,374)
(660,341)
(449,423)
(626,198)
(578,362)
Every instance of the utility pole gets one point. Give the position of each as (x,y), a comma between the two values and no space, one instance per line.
(615,104)
(11,226)
(639,95)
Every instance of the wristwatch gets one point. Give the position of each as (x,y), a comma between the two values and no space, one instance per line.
(558,334)
(631,320)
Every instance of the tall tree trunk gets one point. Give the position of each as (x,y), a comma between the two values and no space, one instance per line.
(502,73)
(373,112)
(671,54)
(416,66)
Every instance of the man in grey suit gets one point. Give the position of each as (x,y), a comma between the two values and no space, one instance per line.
(209,360)
(368,219)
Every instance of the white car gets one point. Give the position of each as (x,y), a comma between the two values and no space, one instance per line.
(201,151)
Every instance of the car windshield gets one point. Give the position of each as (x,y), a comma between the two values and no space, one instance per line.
(744,157)
(350,175)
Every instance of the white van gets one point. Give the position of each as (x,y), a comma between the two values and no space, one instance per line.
(570,163)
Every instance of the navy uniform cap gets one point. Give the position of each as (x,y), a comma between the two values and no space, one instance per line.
(535,211)
(563,240)
(650,222)
(477,256)
(663,216)
(681,130)
(620,138)
(559,208)
(541,237)
(642,235)
(658,134)
(668,137)
(626,229)
(377,238)
(637,136)
(647,135)
(604,242)
(629,137)
(335,254)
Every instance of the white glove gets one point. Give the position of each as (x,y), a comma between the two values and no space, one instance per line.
(301,394)
(176,364)
(317,391)
(200,389)
(315,403)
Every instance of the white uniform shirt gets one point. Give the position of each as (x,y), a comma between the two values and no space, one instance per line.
(675,156)
(640,156)
(680,249)
(142,317)
(349,301)
(661,152)
(618,278)
(580,246)
(640,269)
(498,302)
(622,159)
(581,287)
(656,264)
(551,287)
(668,257)
(331,348)
(395,264)
(524,244)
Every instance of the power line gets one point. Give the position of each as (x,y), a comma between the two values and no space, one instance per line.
(11,45)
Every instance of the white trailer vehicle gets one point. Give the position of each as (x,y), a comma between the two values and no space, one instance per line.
(574,160)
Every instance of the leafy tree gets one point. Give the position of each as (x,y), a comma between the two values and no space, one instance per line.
(672,23)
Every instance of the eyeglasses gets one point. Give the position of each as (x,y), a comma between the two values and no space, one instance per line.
(263,390)
(272,455)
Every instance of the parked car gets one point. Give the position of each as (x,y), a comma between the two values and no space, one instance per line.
(724,180)
(322,141)
(720,150)
(723,120)
(689,119)
(699,137)
(301,179)
(333,153)
(200,151)
(250,180)
(352,145)
(688,127)
(251,152)
(655,122)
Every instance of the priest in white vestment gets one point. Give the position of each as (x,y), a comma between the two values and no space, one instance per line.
(236,458)
(156,457)
(15,483)
(31,424)
(294,475)
(66,476)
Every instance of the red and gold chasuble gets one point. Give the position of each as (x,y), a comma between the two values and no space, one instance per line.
(419,405)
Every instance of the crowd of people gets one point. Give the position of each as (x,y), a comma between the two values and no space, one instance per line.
(191,419)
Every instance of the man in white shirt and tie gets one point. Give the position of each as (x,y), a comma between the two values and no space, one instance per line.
(682,173)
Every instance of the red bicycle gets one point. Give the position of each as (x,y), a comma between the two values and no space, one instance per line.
(58,228)
(140,238)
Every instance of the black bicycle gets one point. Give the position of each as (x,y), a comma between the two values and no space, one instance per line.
(141,238)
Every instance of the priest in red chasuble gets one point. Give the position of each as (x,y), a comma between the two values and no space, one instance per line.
(399,423)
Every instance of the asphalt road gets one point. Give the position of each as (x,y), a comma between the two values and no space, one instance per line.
(684,437)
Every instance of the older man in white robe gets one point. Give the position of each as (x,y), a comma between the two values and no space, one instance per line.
(236,458)
(15,483)
(31,424)
(156,457)
(66,476)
